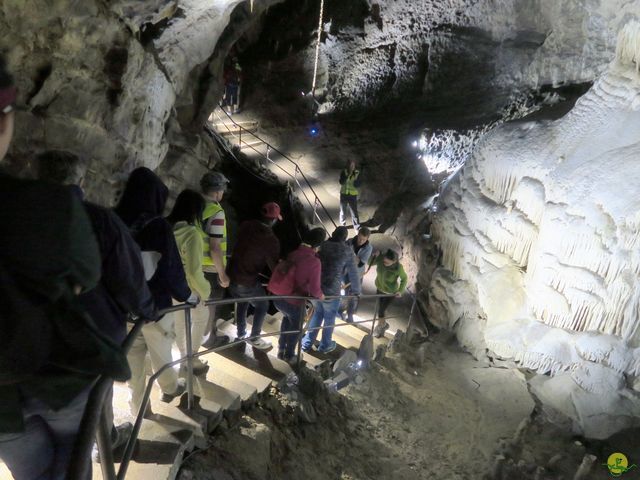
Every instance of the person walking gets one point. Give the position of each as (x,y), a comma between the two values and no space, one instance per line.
(336,258)
(257,249)
(301,271)
(350,180)
(390,279)
(122,290)
(214,260)
(185,220)
(362,249)
(44,379)
(141,208)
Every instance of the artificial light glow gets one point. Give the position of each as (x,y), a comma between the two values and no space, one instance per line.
(415,144)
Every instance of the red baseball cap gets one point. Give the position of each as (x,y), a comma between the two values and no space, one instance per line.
(271,210)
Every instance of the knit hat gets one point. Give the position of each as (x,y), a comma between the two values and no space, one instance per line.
(271,210)
(314,237)
(391,255)
(340,234)
(213,181)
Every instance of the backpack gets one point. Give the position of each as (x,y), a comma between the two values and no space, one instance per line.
(38,331)
(282,281)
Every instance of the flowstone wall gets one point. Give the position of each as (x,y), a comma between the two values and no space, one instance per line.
(122,84)
(539,233)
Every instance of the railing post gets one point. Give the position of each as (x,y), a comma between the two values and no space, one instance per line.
(103,440)
(375,315)
(303,314)
(240,137)
(187,329)
(315,207)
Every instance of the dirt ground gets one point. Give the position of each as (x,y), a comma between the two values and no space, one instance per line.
(443,416)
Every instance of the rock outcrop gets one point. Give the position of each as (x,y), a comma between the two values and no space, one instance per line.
(539,233)
(123,83)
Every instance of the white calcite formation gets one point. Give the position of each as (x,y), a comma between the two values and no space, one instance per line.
(540,240)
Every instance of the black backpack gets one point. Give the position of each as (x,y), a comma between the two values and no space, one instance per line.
(38,331)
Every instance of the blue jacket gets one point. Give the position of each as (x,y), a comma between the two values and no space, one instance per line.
(337,258)
(141,207)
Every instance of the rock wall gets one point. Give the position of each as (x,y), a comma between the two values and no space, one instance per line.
(123,83)
(452,52)
(539,233)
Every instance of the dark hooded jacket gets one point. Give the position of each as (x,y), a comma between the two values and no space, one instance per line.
(122,288)
(337,259)
(141,208)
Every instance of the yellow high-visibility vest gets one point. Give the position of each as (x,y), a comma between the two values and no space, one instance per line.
(349,188)
(211,210)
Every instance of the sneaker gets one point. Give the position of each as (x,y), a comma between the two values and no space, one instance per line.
(307,349)
(169,397)
(329,349)
(200,367)
(215,341)
(260,344)
(122,434)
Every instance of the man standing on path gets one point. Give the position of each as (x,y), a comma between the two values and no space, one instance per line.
(256,249)
(350,181)
(336,257)
(214,225)
(362,249)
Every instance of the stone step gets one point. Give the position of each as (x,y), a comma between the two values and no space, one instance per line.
(231,129)
(214,396)
(248,376)
(136,471)
(264,363)
(225,376)
(251,143)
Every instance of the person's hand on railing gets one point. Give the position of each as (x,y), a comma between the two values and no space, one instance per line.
(194,299)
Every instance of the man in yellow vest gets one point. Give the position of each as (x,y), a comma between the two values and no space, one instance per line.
(214,231)
(350,181)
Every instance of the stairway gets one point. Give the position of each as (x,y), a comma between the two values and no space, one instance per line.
(237,379)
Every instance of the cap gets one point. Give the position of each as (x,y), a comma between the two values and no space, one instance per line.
(271,210)
(314,237)
(213,181)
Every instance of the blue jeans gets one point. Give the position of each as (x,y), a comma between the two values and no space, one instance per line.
(292,316)
(260,308)
(43,450)
(325,312)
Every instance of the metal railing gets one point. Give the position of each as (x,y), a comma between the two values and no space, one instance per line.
(94,423)
(316,203)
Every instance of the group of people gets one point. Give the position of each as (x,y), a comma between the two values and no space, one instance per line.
(106,269)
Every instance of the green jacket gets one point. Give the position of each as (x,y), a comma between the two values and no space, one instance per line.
(387,277)
(190,245)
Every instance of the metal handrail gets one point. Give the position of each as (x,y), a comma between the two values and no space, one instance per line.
(290,160)
(104,447)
